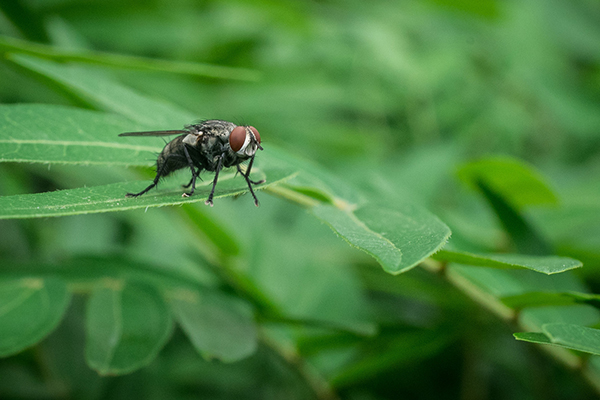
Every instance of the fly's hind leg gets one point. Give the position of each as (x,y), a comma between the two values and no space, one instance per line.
(162,167)
(189,183)
(195,174)
(154,183)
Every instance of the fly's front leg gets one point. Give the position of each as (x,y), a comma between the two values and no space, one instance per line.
(194,174)
(248,181)
(247,175)
(209,201)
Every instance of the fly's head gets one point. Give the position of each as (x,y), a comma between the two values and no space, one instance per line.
(244,141)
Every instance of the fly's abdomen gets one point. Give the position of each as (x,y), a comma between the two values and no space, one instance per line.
(172,157)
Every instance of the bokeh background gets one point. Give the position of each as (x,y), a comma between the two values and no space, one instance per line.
(391,97)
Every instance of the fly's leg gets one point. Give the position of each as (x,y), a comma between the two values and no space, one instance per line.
(159,174)
(249,181)
(154,183)
(209,201)
(190,182)
(247,175)
(194,174)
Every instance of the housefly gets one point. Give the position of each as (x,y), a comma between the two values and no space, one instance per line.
(209,145)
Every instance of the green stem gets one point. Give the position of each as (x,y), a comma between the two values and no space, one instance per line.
(313,379)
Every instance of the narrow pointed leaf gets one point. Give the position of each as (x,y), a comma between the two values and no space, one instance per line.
(524,236)
(112,197)
(98,89)
(9,44)
(544,299)
(574,337)
(30,308)
(544,264)
(520,184)
(532,337)
(509,185)
(58,134)
(570,336)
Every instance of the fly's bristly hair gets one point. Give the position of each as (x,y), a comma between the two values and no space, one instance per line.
(210,145)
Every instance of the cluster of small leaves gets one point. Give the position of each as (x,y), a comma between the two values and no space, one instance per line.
(224,290)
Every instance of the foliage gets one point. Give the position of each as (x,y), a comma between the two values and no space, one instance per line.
(455,144)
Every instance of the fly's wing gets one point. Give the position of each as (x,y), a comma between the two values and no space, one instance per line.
(155,133)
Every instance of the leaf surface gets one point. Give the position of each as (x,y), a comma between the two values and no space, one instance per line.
(58,134)
(218,326)
(100,90)
(570,336)
(112,197)
(126,326)
(545,264)
(9,44)
(544,299)
(398,238)
(511,179)
(30,308)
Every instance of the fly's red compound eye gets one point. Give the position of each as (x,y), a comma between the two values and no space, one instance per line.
(237,138)
(256,134)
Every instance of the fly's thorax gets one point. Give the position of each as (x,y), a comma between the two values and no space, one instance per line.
(214,142)
(191,139)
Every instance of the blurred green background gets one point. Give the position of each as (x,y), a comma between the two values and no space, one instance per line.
(392,97)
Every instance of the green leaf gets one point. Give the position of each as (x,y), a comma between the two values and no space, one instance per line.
(218,326)
(398,239)
(408,229)
(524,236)
(533,337)
(544,299)
(30,308)
(356,233)
(126,326)
(570,336)
(97,88)
(574,337)
(312,193)
(212,232)
(520,184)
(112,197)
(12,45)
(481,8)
(509,185)
(383,354)
(41,133)
(58,134)
(545,264)
(85,271)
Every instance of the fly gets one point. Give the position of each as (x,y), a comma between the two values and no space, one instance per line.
(209,145)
